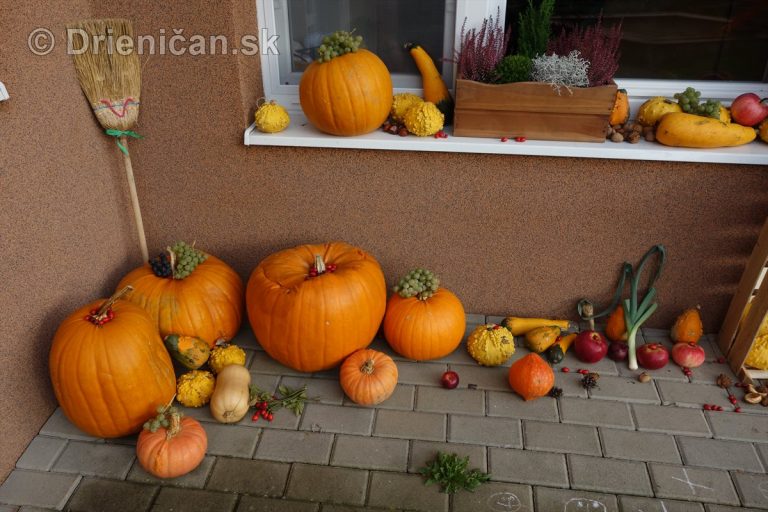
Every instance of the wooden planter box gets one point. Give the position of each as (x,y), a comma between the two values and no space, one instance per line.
(532,110)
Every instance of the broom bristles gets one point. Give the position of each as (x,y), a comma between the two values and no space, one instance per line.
(111,80)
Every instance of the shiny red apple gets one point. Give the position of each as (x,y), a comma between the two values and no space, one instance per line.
(688,355)
(590,346)
(652,356)
(449,380)
(748,109)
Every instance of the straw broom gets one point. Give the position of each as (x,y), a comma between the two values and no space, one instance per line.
(110,76)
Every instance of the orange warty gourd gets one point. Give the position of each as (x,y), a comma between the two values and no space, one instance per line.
(531,377)
(616,326)
(313,305)
(368,377)
(174,451)
(688,327)
(206,303)
(109,368)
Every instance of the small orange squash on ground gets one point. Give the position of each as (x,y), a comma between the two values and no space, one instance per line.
(620,112)
(531,377)
(616,326)
(688,327)
(423,320)
(368,377)
(172,451)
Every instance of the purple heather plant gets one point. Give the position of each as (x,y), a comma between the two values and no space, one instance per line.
(481,50)
(596,43)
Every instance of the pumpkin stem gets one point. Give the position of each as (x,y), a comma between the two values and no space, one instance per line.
(319,264)
(172,259)
(102,312)
(175,425)
(367,367)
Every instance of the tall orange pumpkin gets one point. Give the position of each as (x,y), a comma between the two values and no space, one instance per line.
(425,322)
(206,303)
(313,305)
(109,368)
(348,94)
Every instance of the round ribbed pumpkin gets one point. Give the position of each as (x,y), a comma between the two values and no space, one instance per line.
(531,377)
(368,377)
(313,305)
(109,368)
(208,303)
(349,95)
(174,451)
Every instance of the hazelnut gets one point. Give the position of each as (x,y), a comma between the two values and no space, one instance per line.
(650,136)
(644,377)
(617,137)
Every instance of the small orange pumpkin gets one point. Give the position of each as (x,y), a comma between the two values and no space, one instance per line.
(620,112)
(173,451)
(368,377)
(616,326)
(531,377)
(688,327)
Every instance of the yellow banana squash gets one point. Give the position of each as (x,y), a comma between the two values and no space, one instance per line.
(692,131)
(435,90)
(519,325)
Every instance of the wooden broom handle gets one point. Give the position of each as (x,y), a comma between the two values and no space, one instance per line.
(135,200)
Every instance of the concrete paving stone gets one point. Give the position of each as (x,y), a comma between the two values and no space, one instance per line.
(8,508)
(97,495)
(487,431)
(256,477)
(609,475)
(494,319)
(256,504)
(509,405)
(495,497)
(713,453)
(604,367)
(41,453)
(601,413)
(410,425)
(264,381)
(459,401)
(425,373)
(460,356)
(762,450)
(655,335)
(638,504)
(125,440)
(381,345)
(263,363)
(670,372)
(482,377)
(96,459)
(333,418)
(752,488)
(59,426)
(692,484)
(670,420)
(406,491)
(684,394)
(201,414)
(708,372)
(28,509)
(327,507)
(194,479)
(324,391)
(424,452)
(246,339)
(249,354)
(23,487)
(740,427)
(625,389)
(402,398)
(570,383)
(477,318)
(711,349)
(370,453)
(283,419)
(626,444)
(725,508)
(231,440)
(560,438)
(328,484)
(567,500)
(527,467)
(172,499)
(293,446)
(331,373)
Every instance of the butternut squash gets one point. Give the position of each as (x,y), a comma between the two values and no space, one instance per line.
(540,339)
(556,352)
(435,90)
(519,325)
(691,131)
(229,402)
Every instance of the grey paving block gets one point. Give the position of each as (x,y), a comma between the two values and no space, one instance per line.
(609,475)
(425,373)
(601,413)
(645,446)
(459,401)
(257,477)
(502,432)
(752,488)
(509,405)
(410,425)
(246,339)
(684,394)
(477,318)
(570,383)
(263,363)
(740,427)
(495,497)
(283,419)
(329,507)
(604,367)
(405,491)
(370,453)
(560,438)
(325,391)
(172,499)
(96,459)
(265,382)
(23,487)
(670,420)
(692,484)
(762,450)
(652,334)
(41,453)
(708,372)
(567,500)
(8,508)
(333,418)
(201,414)
(59,426)
(713,453)
(381,345)
(424,452)
(495,378)
(194,479)
(527,467)
(231,440)
(328,484)
(638,504)
(292,446)
(725,508)
(460,357)
(96,495)
(256,504)
(625,389)
(711,349)
(402,398)
(670,372)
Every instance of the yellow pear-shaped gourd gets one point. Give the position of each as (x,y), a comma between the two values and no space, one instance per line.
(491,344)
(688,327)
(540,339)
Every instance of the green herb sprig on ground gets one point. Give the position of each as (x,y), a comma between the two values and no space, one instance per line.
(452,474)
(291,399)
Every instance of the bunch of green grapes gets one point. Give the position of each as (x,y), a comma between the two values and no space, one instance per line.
(689,102)
(419,282)
(187,259)
(161,420)
(338,43)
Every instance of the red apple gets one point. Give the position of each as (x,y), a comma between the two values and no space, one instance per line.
(688,355)
(449,380)
(618,350)
(652,356)
(590,346)
(748,109)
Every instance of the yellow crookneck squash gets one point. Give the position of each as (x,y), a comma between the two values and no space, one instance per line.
(435,90)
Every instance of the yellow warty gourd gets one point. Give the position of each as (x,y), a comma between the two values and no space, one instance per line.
(271,118)
(424,119)
(491,345)
(401,103)
(225,355)
(194,389)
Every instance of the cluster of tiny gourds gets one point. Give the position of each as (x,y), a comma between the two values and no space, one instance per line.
(161,420)
(337,44)
(689,102)
(420,282)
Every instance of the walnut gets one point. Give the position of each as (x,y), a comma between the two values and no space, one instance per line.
(723,381)
(634,138)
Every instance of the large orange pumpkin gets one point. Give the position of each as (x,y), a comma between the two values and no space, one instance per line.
(109,368)
(207,303)
(173,451)
(350,94)
(313,305)
(368,377)
(531,377)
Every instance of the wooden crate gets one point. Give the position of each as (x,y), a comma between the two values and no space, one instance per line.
(533,110)
(736,336)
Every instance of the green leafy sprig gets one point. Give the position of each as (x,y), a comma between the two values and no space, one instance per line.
(291,399)
(452,474)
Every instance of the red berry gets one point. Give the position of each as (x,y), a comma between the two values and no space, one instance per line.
(565,369)
(732,398)
(269,416)
(520,139)
(718,407)
(583,371)
(255,417)
(707,407)
(504,139)
(738,409)
(721,360)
